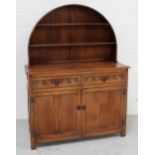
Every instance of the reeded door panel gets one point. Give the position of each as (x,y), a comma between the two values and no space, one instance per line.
(103,110)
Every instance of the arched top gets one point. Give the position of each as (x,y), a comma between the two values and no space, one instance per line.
(72,33)
(73,14)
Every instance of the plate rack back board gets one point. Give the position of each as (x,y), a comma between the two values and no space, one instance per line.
(76,87)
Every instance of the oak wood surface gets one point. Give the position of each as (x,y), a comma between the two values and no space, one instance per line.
(78,67)
(76,87)
(72,33)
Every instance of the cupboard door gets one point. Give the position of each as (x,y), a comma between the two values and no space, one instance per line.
(56,115)
(102,110)
(44,115)
(67,114)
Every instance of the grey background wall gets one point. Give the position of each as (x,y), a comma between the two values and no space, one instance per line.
(122,14)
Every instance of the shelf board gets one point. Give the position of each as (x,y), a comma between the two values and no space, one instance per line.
(72,44)
(75,24)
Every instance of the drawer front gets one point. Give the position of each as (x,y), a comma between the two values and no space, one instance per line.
(102,79)
(55,83)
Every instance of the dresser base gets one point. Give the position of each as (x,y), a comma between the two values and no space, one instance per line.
(35,143)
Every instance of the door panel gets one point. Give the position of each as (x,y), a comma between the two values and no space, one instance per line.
(111,106)
(92,118)
(44,114)
(103,110)
(56,114)
(68,114)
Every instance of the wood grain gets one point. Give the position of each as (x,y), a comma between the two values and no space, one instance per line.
(72,32)
(76,87)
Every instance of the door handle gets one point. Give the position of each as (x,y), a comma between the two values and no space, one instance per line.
(78,107)
(84,107)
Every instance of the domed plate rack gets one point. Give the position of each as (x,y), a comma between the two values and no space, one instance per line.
(76,87)
(72,33)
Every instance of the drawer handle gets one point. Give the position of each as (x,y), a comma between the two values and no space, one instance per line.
(57,82)
(104,78)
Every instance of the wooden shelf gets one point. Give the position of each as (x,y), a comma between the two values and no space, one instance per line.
(72,34)
(72,44)
(75,24)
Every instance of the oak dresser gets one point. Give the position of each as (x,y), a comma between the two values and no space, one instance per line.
(76,87)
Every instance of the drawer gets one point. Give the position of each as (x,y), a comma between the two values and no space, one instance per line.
(102,79)
(55,83)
